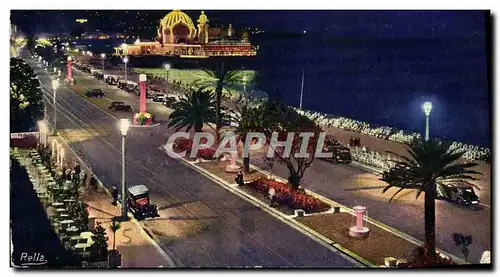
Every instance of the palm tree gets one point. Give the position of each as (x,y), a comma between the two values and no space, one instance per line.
(114,227)
(218,80)
(429,163)
(194,109)
(247,120)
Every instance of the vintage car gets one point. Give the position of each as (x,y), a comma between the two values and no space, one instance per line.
(460,193)
(138,203)
(120,106)
(341,154)
(111,81)
(94,93)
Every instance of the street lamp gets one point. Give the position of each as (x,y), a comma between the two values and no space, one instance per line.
(427,107)
(167,69)
(124,125)
(103,56)
(125,60)
(55,85)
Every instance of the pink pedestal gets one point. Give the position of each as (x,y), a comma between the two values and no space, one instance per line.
(142,96)
(359,231)
(233,167)
(69,77)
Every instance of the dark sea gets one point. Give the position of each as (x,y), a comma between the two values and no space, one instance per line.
(382,81)
(385,81)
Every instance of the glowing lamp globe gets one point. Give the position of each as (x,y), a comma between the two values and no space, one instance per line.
(167,66)
(427,107)
(125,60)
(124,125)
(103,55)
(69,58)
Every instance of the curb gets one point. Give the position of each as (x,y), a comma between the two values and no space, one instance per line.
(368,220)
(312,234)
(143,230)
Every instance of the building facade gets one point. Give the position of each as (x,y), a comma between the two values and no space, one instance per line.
(177,35)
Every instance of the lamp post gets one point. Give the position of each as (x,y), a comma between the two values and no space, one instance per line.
(167,69)
(124,125)
(103,56)
(125,60)
(427,107)
(245,85)
(55,85)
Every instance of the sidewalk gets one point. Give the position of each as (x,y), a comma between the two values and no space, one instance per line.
(135,246)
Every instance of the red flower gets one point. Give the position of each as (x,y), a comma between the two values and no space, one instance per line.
(285,195)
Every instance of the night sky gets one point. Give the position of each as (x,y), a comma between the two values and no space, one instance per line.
(375,66)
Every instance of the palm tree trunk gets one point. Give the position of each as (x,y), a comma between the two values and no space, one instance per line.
(430,219)
(114,239)
(218,102)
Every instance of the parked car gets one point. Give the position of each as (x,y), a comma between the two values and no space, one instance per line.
(160,97)
(139,204)
(122,85)
(341,154)
(111,81)
(169,102)
(98,76)
(120,106)
(94,93)
(130,88)
(461,193)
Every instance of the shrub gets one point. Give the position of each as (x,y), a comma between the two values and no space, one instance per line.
(288,196)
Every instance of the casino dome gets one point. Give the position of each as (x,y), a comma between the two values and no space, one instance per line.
(175,17)
(176,26)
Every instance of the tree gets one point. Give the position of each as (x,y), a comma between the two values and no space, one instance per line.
(114,227)
(100,245)
(26,104)
(270,164)
(218,80)
(248,119)
(283,119)
(429,163)
(194,109)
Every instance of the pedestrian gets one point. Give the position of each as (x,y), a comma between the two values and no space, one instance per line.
(115,195)
(239,179)
(77,167)
(272,197)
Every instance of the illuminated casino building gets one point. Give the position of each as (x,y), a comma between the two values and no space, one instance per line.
(177,36)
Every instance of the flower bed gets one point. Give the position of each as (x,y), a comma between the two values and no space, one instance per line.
(287,196)
(183,144)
